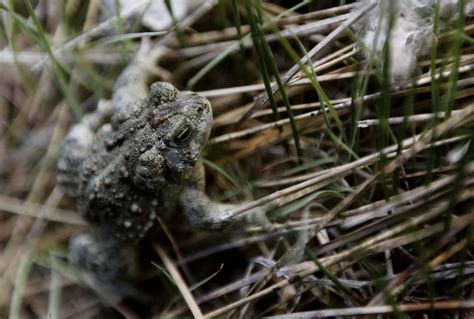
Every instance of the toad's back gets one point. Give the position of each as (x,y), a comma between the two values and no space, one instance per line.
(108,195)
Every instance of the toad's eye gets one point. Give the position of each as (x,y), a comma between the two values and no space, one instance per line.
(182,134)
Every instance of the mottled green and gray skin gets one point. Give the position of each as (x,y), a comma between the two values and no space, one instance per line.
(134,161)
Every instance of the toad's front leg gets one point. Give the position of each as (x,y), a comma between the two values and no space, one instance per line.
(204,213)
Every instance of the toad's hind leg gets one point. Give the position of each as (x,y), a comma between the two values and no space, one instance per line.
(109,267)
(76,146)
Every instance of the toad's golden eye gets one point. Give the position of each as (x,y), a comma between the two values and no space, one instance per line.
(183,134)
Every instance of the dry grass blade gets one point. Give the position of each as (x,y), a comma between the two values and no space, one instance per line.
(418,144)
(16,244)
(96,31)
(14,206)
(454,305)
(183,288)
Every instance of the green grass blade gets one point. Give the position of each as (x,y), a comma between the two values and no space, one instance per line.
(237,22)
(314,81)
(270,61)
(9,25)
(384,107)
(220,57)
(261,58)
(456,54)
(310,199)
(361,88)
(435,90)
(223,172)
(325,101)
(223,18)
(119,20)
(95,82)
(306,166)
(327,273)
(54,299)
(20,283)
(57,67)
(179,33)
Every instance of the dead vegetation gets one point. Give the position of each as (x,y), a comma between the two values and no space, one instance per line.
(371,184)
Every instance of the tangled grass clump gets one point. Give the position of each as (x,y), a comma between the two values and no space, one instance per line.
(364,153)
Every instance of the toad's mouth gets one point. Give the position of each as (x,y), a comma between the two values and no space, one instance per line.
(177,166)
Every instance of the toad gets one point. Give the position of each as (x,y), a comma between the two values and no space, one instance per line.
(131,161)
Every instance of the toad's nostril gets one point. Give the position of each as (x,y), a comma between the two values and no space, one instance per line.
(203,106)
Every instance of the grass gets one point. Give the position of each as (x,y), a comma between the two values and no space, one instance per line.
(370,184)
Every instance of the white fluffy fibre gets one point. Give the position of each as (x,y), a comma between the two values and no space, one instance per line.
(157,16)
(411,34)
